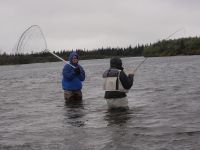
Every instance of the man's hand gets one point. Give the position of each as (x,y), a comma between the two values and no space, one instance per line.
(130,72)
(77,70)
(131,75)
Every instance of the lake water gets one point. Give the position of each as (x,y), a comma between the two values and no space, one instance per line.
(163,114)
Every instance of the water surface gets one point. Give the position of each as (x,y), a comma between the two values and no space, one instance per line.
(163,114)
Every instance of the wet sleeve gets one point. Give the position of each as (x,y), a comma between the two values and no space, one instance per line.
(127,81)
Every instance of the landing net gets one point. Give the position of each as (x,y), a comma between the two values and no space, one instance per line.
(32,40)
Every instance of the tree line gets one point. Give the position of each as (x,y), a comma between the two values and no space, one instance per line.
(173,47)
(44,56)
(182,46)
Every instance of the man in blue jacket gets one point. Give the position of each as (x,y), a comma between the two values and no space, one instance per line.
(73,75)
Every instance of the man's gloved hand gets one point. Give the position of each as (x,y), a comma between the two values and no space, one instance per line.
(77,70)
(131,75)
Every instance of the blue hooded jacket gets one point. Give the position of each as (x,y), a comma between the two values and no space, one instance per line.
(72,81)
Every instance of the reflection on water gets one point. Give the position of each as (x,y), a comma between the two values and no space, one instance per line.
(117,116)
(74,112)
(74,104)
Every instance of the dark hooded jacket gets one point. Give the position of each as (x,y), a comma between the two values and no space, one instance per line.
(127,81)
(72,81)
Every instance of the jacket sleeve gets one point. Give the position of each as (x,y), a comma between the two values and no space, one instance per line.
(68,72)
(127,81)
(82,73)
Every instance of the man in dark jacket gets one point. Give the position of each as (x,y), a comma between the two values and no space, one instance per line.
(73,75)
(117,84)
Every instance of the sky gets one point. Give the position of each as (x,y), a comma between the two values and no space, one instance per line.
(93,24)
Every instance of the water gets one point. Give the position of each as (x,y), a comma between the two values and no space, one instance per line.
(163,114)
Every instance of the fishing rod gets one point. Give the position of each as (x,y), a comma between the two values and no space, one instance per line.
(140,64)
(148,57)
(174,33)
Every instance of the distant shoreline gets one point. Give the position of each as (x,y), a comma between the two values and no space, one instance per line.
(176,47)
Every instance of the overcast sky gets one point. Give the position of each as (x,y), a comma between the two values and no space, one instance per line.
(92,24)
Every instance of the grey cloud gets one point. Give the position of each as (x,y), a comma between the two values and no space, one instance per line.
(92,24)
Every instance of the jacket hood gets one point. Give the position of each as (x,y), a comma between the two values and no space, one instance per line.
(71,55)
(116,62)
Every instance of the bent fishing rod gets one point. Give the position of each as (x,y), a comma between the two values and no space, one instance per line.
(148,57)
(139,65)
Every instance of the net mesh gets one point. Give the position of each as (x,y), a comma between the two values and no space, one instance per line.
(32,40)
